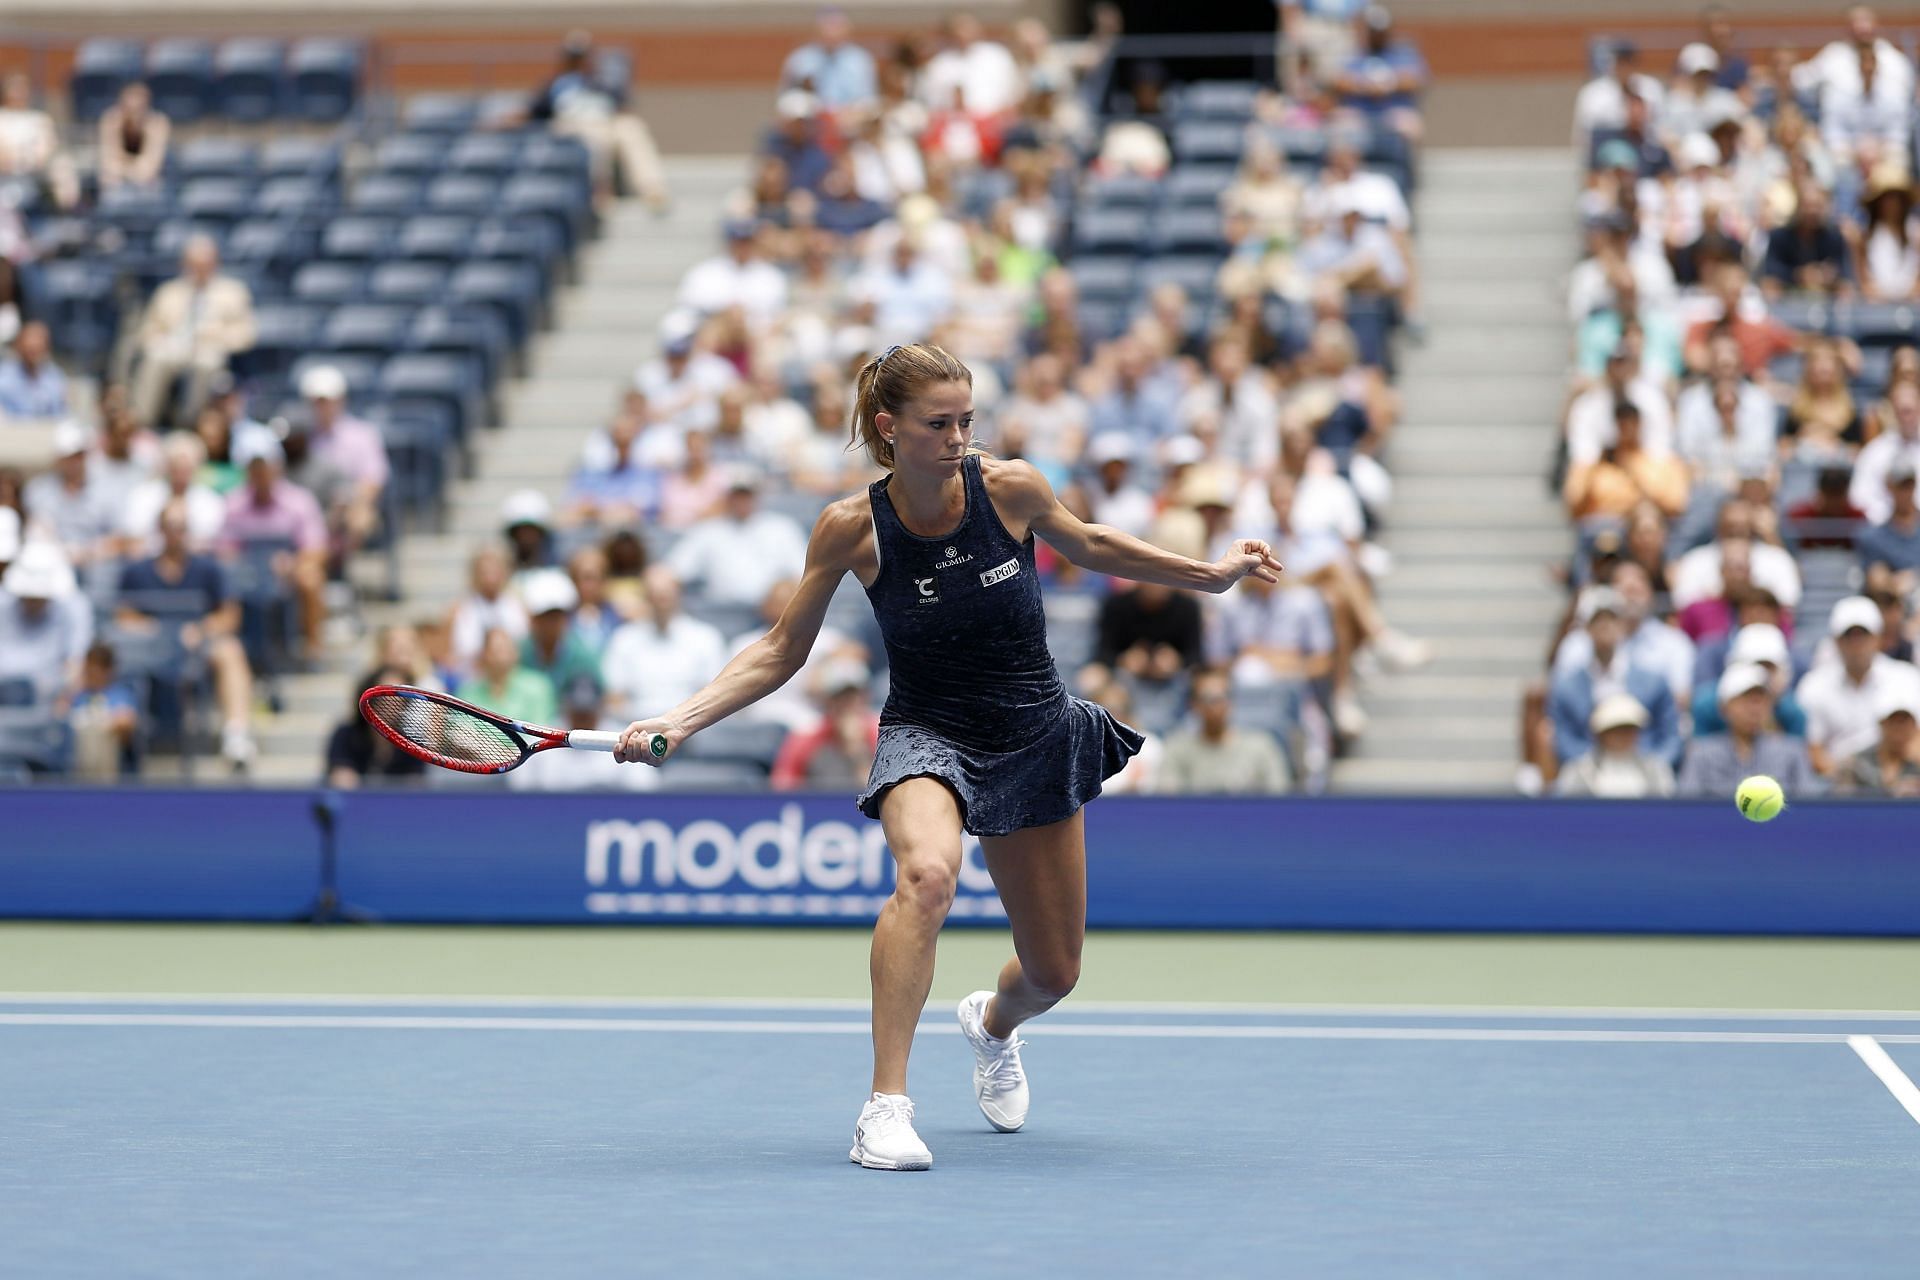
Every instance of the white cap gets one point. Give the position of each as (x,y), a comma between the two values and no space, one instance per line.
(526,506)
(1742,677)
(1182,451)
(1759,642)
(677,328)
(1895,697)
(837,674)
(257,444)
(1110,446)
(743,475)
(545,590)
(39,572)
(323,382)
(71,437)
(1696,58)
(1854,611)
(1697,151)
(1617,710)
(9,534)
(796,104)
(1598,600)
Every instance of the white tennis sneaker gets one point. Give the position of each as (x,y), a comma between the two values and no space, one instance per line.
(883,1137)
(999,1082)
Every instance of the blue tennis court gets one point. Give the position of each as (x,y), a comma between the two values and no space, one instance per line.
(190,1136)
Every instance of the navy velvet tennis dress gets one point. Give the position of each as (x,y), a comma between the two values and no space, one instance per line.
(975,700)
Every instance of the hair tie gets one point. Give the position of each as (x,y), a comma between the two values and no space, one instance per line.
(886,355)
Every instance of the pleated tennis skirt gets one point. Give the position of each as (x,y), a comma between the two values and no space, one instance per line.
(1046,780)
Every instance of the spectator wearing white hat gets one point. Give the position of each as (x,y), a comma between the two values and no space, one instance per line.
(1616,768)
(1764,645)
(487,606)
(526,518)
(1694,101)
(348,448)
(182,455)
(551,645)
(1891,767)
(836,752)
(1349,252)
(795,139)
(66,505)
(661,659)
(1842,698)
(268,508)
(1112,497)
(46,623)
(1649,641)
(1574,693)
(736,555)
(1716,763)
(683,383)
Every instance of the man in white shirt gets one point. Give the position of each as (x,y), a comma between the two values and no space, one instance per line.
(737,278)
(1698,576)
(182,455)
(1868,490)
(1834,72)
(1728,423)
(683,385)
(66,504)
(1590,428)
(1113,499)
(736,556)
(657,662)
(910,296)
(1842,698)
(1658,646)
(1695,102)
(1602,103)
(984,72)
(1240,404)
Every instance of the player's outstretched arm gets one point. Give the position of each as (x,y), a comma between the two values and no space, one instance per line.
(770,661)
(1100,548)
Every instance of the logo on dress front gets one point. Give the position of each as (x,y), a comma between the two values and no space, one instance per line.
(1000,572)
(927,595)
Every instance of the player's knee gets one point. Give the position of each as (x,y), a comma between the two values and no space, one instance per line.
(1054,977)
(926,886)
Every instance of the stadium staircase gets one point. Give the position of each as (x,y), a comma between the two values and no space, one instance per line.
(1472,527)
(604,326)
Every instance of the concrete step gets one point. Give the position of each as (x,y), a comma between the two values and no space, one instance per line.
(1513,438)
(1451,215)
(1445,776)
(643,266)
(616,311)
(1442,685)
(570,353)
(1513,510)
(1421,613)
(1513,578)
(1485,546)
(1422,487)
(1420,461)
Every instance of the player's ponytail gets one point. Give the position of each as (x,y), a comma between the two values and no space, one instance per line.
(889,382)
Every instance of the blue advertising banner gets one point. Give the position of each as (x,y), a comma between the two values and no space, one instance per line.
(1405,864)
(134,854)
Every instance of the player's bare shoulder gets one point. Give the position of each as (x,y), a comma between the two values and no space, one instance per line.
(1017,488)
(843,536)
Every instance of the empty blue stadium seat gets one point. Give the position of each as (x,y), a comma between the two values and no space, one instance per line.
(445,379)
(475,333)
(249,84)
(567,203)
(1121,230)
(223,200)
(1877,323)
(1299,145)
(486,154)
(1206,140)
(1120,189)
(371,329)
(358,237)
(511,289)
(1809,315)
(101,68)
(325,79)
(333,282)
(180,74)
(1191,229)
(393,194)
(1102,321)
(214,158)
(308,198)
(416,451)
(474,195)
(1193,273)
(1228,100)
(1196,184)
(1105,279)
(533,241)
(419,155)
(416,283)
(268,248)
(283,332)
(552,153)
(437,237)
(444,113)
(311,158)
(79,300)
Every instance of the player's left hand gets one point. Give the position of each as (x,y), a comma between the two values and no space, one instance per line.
(1247,557)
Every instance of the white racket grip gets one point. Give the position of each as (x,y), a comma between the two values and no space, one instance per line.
(593,740)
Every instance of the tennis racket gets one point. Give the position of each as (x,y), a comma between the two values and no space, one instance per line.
(452,734)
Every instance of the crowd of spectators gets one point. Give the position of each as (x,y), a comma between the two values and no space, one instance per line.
(935,191)
(1743,429)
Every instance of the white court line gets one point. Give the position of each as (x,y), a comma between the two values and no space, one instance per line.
(1888,1070)
(1169,1007)
(1118,1030)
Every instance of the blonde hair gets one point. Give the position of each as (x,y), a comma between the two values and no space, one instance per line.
(889,382)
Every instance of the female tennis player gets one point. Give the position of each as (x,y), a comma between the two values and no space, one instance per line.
(978,733)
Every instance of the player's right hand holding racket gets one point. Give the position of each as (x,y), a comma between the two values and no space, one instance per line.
(637,741)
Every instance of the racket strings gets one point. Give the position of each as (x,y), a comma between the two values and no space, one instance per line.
(443,730)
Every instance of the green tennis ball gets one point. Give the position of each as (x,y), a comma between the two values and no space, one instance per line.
(1760,799)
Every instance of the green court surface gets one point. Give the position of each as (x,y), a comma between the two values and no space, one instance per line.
(1387,969)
